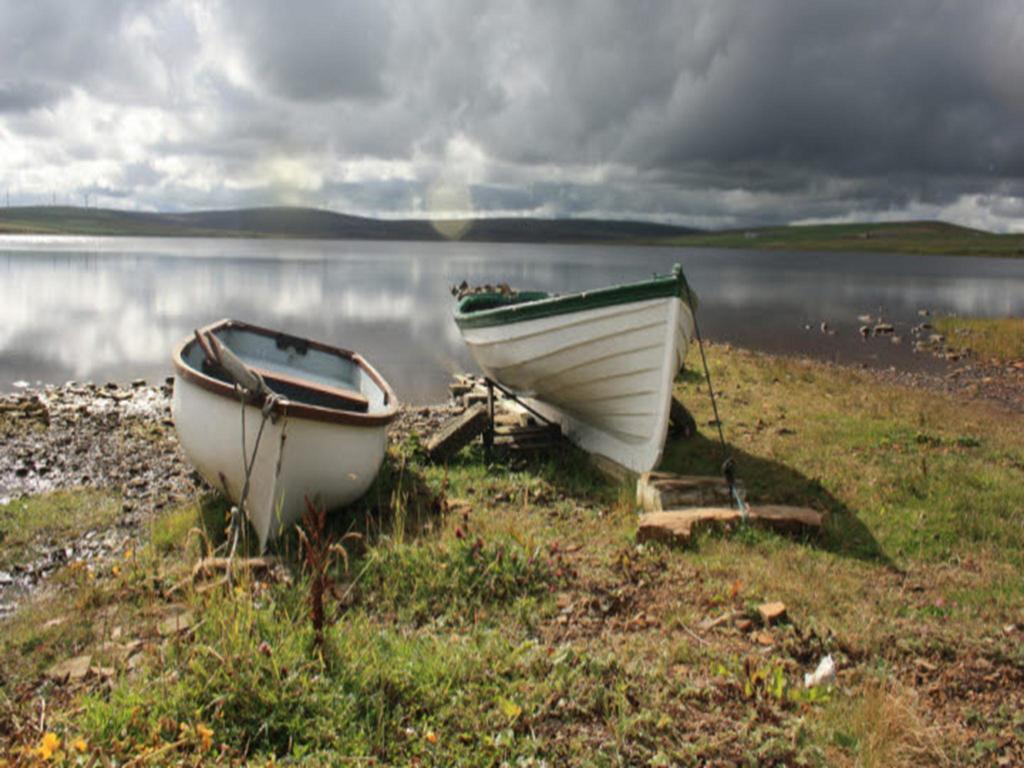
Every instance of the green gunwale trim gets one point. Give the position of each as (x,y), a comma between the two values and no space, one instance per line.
(531,309)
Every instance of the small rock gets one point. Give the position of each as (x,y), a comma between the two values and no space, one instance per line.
(923,312)
(175,624)
(138,383)
(824,326)
(865,319)
(936,338)
(771,612)
(71,669)
(882,329)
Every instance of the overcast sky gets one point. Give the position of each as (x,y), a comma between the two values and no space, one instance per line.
(713,114)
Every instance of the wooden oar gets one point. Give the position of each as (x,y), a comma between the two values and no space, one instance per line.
(231,364)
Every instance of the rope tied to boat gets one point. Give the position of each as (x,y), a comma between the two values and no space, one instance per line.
(251,388)
(729,464)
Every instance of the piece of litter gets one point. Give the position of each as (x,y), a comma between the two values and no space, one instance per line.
(825,674)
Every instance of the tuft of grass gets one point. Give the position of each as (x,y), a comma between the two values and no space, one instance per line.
(454,579)
(999,339)
(49,519)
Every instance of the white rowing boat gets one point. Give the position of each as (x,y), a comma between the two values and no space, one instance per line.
(600,363)
(324,436)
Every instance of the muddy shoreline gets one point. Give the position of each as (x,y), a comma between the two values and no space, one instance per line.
(121,438)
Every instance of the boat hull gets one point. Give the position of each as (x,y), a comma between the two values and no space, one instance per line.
(604,375)
(333,464)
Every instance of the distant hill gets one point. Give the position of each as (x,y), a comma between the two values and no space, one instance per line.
(934,237)
(315,223)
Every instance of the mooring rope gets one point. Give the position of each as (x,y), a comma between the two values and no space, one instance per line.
(271,399)
(729,465)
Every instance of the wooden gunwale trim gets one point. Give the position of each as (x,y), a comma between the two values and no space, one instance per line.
(290,407)
(667,286)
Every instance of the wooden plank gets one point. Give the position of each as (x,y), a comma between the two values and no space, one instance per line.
(656,491)
(612,469)
(678,526)
(457,433)
(347,399)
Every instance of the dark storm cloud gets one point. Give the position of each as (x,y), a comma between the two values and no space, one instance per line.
(715,113)
(314,50)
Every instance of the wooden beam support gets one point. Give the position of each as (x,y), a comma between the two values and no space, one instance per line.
(678,526)
(656,491)
(457,433)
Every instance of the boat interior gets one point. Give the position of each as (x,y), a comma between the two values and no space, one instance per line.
(294,369)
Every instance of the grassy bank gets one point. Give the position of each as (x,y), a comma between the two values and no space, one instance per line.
(928,237)
(498,613)
(999,339)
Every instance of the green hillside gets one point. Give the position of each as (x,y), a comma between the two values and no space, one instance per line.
(314,223)
(934,237)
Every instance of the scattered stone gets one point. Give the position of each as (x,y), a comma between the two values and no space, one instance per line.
(771,612)
(73,669)
(882,329)
(864,319)
(175,624)
(923,312)
(824,326)
(709,624)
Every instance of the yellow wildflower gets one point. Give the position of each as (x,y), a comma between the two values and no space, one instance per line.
(206,735)
(116,570)
(80,745)
(431,737)
(48,746)
(129,553)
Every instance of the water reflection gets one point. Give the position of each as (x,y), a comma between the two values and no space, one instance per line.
(112,308)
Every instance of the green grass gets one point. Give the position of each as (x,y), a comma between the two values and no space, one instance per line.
(503,612)
(996,339)
(929,237)
(28,524)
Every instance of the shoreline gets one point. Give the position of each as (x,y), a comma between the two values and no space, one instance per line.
(121,438)
(467,565)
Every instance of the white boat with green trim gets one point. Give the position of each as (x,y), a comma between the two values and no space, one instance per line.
(599,363)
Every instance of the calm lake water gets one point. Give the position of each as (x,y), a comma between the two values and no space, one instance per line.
(112,308)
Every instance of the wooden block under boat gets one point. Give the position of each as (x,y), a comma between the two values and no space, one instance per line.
(457,432)
(656,491)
